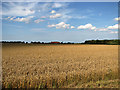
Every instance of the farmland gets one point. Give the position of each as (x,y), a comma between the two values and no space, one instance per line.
(60,66)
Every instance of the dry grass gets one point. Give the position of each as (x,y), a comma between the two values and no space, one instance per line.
(55,66)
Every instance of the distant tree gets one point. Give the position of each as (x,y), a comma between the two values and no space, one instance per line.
(42,42)
(61,42)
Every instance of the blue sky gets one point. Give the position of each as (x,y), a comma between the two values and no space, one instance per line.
(59,21)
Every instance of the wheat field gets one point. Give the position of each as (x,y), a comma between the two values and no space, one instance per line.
(60,66)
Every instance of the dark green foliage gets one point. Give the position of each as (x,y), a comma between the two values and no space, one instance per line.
(107,42)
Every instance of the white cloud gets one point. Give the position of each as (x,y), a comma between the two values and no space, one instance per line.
(93,28)
(87,26)
(26,20)
(51,25)
(72,27)
(57,5)
(60,25)
(8,17)
(113,27)
(117,19)
(38,20)
(11,18)
(55,16)
(114,32)
(53,11)
(18,9)
(60,5)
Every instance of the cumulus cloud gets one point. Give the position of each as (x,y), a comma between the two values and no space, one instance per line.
(11,18)
(53,11)
(117,19)
(60,25)
(8,17)
(72,27)
(87,26)
(38,20)
(21,19)
(53,25)
(93,28)
(113,27)
(55,16)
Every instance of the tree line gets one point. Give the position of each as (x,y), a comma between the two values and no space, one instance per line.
(106,42)
(34,42)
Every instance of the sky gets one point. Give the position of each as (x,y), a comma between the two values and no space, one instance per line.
(59,21)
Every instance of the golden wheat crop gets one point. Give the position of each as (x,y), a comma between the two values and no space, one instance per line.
(56,66)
